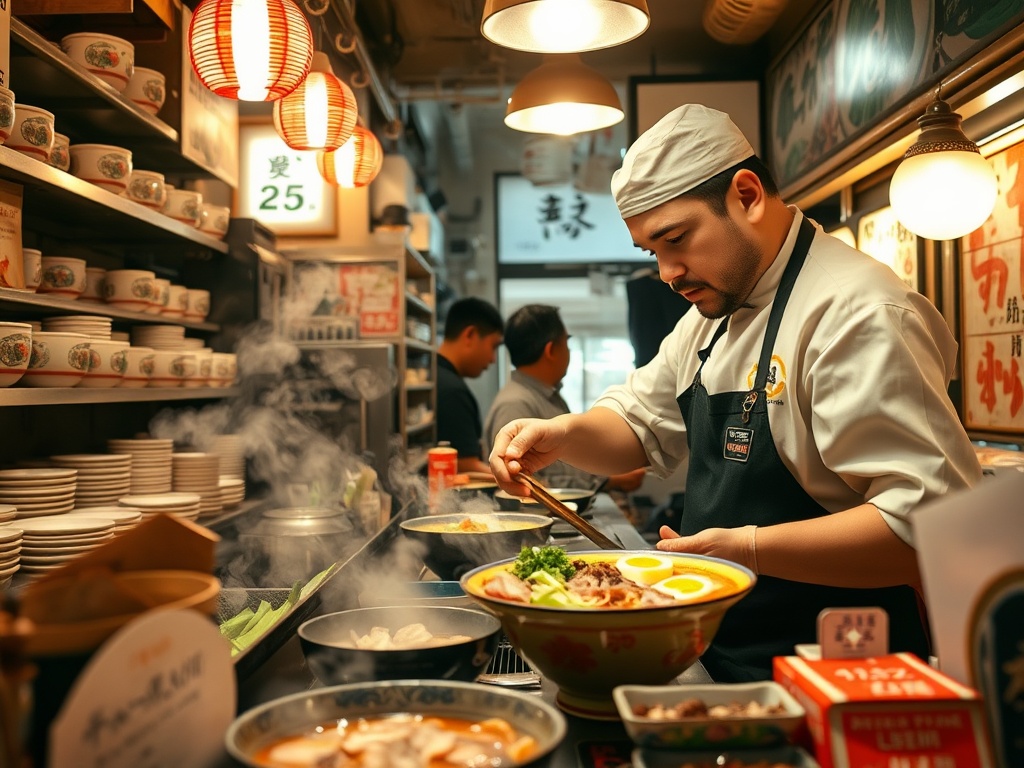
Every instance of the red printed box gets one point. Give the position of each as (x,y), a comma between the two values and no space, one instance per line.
(886,712)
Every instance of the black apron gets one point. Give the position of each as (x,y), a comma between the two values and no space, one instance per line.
(736,478)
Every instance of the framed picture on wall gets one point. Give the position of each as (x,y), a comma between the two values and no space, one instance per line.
(883,238)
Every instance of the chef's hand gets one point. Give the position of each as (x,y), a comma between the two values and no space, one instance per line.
(524,445)
(736,544)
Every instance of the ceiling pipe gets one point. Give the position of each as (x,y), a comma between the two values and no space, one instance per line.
(346,17)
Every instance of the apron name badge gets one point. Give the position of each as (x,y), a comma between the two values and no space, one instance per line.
(737,443)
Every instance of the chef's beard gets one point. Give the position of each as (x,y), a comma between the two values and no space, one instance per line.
(742,270)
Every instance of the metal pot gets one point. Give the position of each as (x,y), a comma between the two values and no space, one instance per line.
(298,542)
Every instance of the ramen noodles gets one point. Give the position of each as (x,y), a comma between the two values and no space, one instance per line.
(410,636)
(477,525)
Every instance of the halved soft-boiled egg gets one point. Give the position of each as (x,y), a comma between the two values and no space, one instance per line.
(685,586)
(644,568)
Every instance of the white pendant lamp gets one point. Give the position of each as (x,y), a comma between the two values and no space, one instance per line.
(563,96)
(563,26)
(943,189)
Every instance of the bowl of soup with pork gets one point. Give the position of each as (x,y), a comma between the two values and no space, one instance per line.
(451,545)
(589,621)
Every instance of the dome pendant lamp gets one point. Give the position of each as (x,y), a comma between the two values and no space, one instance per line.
(355,163)
(320,113)
(563,26)
(251,50)
(943,189)
(563,96)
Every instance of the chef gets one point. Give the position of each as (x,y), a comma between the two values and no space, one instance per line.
(809,390)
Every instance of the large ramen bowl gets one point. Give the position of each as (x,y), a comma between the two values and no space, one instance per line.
(462,642)
(587,652)
(451,546)
(254,731)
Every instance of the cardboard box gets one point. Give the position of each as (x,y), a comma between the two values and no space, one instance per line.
(890,711)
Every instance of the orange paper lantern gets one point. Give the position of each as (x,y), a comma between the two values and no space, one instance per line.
(252,50)
(320,113)
(355,163)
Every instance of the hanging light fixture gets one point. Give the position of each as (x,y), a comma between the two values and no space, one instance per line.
(320,113)
(563,96)
(943,189)
(563,26)
(252,50)
(355,163)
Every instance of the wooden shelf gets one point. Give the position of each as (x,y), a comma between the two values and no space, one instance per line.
(413,429)
(12,301)
(419,387)
(416,302)
(418,345)
(15,396)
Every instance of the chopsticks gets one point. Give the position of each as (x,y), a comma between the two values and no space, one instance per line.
(558,509)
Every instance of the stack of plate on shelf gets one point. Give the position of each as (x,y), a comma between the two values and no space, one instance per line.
(103,478)
(232,491)
(184,505)
(10,553)
(48,543)
(158,336)
(199,473)
(123,518)
(151,463)
(91,325)
(38,491)
(232,459)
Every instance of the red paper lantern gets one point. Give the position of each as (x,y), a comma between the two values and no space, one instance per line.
(355,163)
(320,113)
(252,50)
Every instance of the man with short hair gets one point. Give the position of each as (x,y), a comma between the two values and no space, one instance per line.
(473,330)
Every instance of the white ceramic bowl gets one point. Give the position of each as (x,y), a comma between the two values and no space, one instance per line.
(63,275)
(94,279)
(204,368)
(107,364)
(214,219)
(60,152)
(172,367)
(6,113)
(224,370)
(147,88)
(58,359)
(148,188)
(104,165)
(32,134)
(32,260)
(110,58)
(129,288)
(138,367)
(198,304)
(161,295)
(15,351)
(177,301)
(184,205)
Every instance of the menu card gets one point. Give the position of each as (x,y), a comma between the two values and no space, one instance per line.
(12,264)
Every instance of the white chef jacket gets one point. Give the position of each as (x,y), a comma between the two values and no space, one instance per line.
(857,399)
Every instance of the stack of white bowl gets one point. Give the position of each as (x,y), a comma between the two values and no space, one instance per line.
(158,336)
(199,473)
(93,326)
(232,491)
(10,553)
(103,478)
(151,463)
(49,543)
(38,491)
(123,518)
(184,505)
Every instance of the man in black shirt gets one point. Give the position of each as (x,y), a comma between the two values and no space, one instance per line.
(472,332)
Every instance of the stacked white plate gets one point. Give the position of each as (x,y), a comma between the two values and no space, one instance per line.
(178,504)
(48,543)
(158,336)
(232,459)
(10,551)
(124,518)
(7,513)
(91,325)
(103,478)
(38,491)
(151,463)
(199,473)
(232,491)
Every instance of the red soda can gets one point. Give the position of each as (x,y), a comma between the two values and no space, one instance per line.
(442,465)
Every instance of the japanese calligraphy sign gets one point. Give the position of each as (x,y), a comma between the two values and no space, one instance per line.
(281,187)
(992,275)
(559,224)
(883,238)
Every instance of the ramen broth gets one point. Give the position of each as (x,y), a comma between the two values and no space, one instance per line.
(470,525)
(432,742)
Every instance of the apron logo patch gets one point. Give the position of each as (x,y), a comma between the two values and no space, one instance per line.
(737,443)
(776,381)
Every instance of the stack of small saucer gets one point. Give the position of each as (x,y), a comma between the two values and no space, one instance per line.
(124,518)
(103,478)
(151,463)
(199,473)
(48,543)
(158,336)
(95,326)
(184,505)
(232,459)
(38,491)
(232,491)
(10,552)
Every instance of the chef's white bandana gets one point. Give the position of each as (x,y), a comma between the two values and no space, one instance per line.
(684,149)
